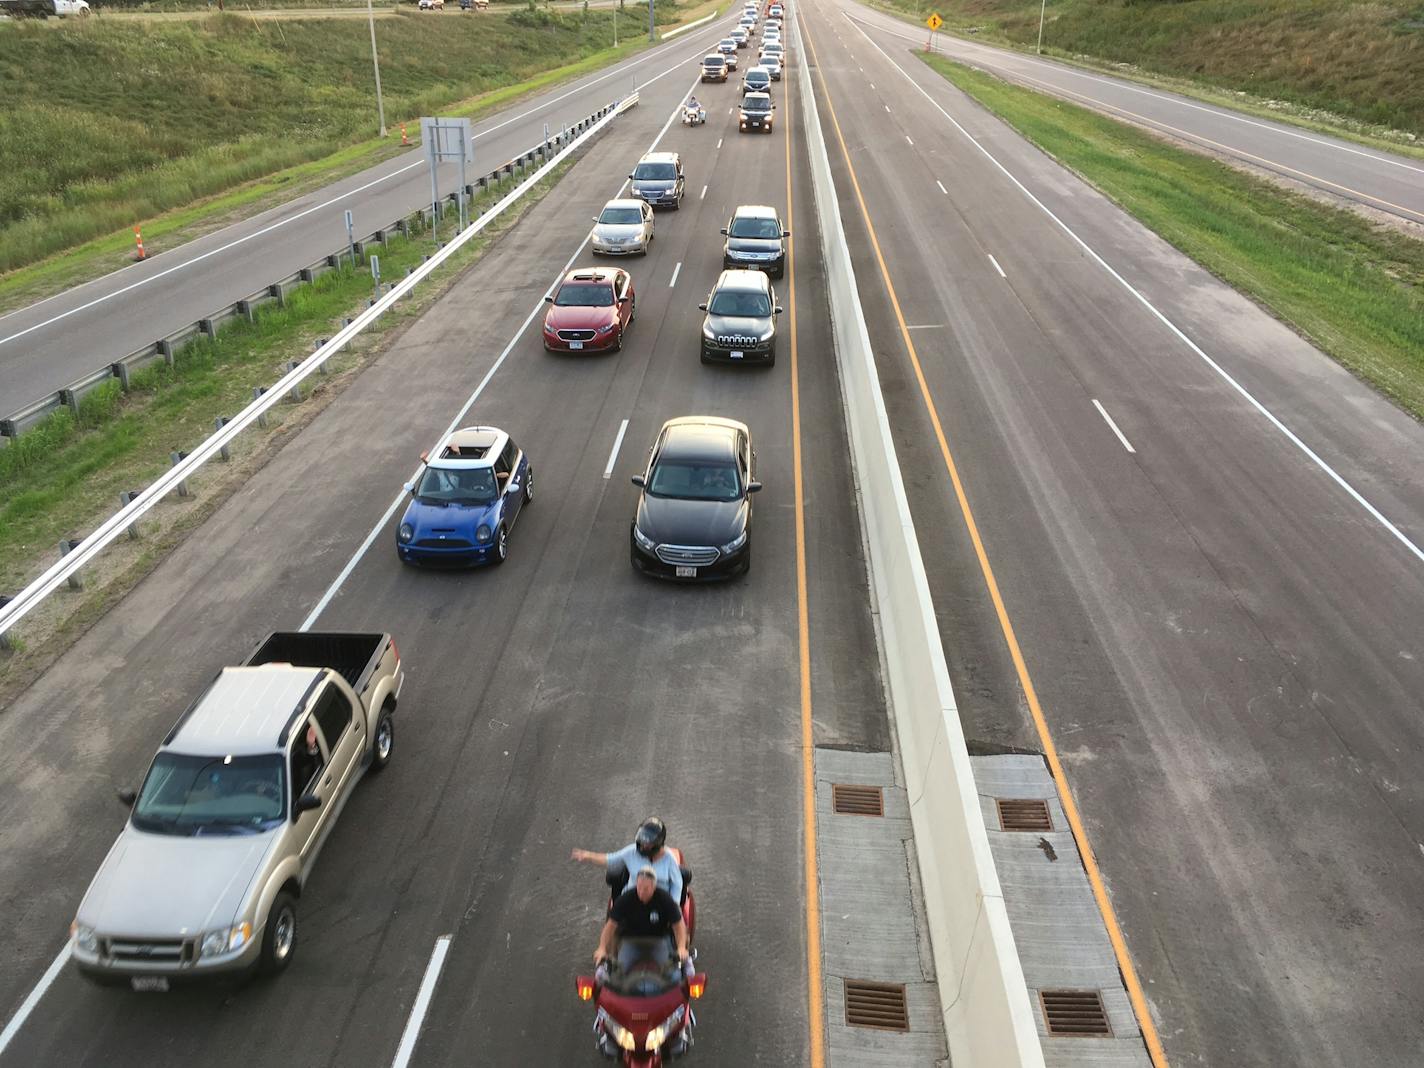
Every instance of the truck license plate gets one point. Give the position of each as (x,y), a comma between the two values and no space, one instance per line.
(149,983)
(575,345)
(736,355)
(687,572)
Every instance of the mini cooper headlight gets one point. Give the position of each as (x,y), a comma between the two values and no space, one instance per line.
(405,533)
(484,533)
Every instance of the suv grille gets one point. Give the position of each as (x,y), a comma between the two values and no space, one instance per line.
(688,555)
(575,335)
(738,340)
(166,951)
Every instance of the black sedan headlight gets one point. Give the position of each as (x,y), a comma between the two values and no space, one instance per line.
(735,544)
(644,542)
(405,533)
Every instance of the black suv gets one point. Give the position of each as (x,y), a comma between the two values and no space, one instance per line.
(755,240)
(740,326)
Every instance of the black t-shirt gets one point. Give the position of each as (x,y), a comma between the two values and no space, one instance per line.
(635,919)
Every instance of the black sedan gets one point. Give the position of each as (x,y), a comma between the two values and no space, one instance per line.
(695,511)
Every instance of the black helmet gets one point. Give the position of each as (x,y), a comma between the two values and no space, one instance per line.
(651,836)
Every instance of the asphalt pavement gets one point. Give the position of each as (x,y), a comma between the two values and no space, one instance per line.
(549,703)
(56,341)
(1206,535)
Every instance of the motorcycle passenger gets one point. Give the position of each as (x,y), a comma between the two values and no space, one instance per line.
(645,912)
(647,847)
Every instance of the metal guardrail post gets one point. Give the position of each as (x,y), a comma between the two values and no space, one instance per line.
(125,498)
(67,546)
(325,367)
(121,372)
(7,640)
(295,393)
(257,392)
(174,459)
(208,327)
(224,451)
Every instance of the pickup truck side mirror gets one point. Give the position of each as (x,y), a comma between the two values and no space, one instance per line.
(639,480)
(306,803)
(128,797)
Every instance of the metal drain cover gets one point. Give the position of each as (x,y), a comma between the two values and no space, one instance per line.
(857,800)
(1024,814)
(878,1005)
(1074,1012)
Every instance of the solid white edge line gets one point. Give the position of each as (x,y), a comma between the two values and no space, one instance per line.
(617,444)
(317,207)
(996,266)
(942,189)
(1109,420)
(1246,394)
(370,539)
(28,1005)
(422,1002)
(675,271)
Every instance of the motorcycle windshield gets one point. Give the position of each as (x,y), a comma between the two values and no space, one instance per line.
(653,969)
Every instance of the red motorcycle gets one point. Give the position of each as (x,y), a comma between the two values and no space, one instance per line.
(644,1011)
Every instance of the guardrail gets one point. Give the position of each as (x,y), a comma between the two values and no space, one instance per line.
(988,1019)
(76,555)
(690,26)
(166,348)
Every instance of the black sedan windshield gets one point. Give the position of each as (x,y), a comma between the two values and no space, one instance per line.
(584,296)
(621,216)
(191,795)
(457,485)
(765,229)
(695,481)
(746,304)
(654,172)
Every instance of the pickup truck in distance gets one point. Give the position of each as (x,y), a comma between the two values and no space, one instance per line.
(205,877)
(43,9)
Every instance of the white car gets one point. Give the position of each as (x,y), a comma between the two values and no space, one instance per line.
(431,5)
(772,65)
(624,227)
(774,50)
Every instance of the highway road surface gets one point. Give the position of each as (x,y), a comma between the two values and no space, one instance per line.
(1206,539)
(549,703)
(56,341)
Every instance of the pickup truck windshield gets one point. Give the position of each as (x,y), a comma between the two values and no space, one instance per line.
(192,795)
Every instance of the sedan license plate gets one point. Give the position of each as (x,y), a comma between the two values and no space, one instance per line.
(737,355)
(686,572)
(575,345)
(149,983)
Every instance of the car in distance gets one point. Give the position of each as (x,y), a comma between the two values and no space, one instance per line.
(740,36)
(659,180)
(755,239)
(622,228)
(431,5)
(205,876)
(590,311)
(714,68)
(740,326)
(694,517)
(773,48)
(728,47)
(772,65)
(756,113)
(466,499)
(775,11)
(756,80)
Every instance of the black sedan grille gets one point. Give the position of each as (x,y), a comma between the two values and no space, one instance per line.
(576,335)
(443,543)
(688,555)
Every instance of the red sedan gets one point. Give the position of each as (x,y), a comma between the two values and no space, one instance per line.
(590,311)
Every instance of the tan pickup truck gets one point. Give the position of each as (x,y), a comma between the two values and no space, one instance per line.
(206,875)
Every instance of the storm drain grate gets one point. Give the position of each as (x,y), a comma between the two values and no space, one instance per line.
(858,800)
(878,1005)
(1074,1012)
(1024,814)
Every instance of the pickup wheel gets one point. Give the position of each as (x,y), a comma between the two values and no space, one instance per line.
(384,741)
(279,935)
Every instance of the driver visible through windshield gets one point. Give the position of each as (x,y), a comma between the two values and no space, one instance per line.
(192,795)
(692,481)
(450,485)
(621,216)
(654,172)
(584,296)
(740,303)
(762,229)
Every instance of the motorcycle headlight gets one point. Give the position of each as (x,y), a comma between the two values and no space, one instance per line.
(644,542)
(619,1033)
(84,938)
(735,544)
(484,533)
(658,1035)
(225,940)
(405,533)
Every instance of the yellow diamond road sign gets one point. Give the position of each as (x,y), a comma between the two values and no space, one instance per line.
(934,22)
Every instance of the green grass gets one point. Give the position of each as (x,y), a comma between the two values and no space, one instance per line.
(1353,288)
(1362,61)
(192,110)
(64,476)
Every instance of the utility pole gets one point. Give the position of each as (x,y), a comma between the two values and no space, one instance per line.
(652,33)
(615,25)
(1042,9)
(376,59)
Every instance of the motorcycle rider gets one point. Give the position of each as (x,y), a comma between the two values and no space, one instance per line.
(693,107)
(645,912)
(648,847)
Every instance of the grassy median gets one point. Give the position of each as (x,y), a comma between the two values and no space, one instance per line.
(1353,288)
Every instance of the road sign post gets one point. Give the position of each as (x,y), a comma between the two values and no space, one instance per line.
(446,139)
(351,236)
(376,276)
(934,22)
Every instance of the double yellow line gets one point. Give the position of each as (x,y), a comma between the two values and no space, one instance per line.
(1065,796)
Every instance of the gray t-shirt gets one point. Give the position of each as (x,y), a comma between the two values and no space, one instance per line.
(669,874)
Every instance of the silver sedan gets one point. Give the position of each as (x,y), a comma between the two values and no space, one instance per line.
(623,228)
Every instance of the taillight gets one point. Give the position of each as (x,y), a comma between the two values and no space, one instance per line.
(696,985)
(585,988)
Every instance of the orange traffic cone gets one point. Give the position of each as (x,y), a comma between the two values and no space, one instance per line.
(404,139)
(138,237)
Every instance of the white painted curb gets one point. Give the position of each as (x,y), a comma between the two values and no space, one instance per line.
(988,1019)
(690,26)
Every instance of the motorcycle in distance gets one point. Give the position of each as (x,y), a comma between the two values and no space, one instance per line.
(693,116)
(644,1014)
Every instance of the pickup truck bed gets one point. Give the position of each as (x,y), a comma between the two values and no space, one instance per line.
(353,656)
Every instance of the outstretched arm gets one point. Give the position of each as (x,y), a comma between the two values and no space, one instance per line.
(590,857)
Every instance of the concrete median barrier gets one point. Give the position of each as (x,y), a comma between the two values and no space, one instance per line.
(988,1017)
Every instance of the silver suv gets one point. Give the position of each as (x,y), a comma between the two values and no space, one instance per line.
(740,326)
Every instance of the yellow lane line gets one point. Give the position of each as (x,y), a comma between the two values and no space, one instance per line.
(1070,808)
(816,1006)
